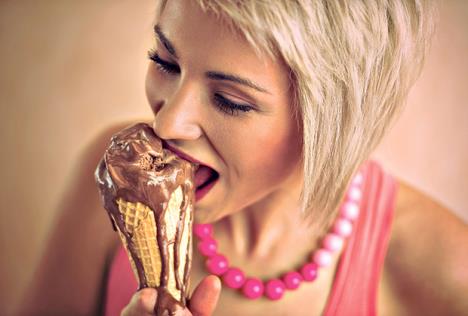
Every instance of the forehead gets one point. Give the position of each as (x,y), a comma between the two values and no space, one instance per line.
(205,43)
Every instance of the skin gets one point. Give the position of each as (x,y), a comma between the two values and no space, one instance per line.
(202,302)
(188,118)
(257,221)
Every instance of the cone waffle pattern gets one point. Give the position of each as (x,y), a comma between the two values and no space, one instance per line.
(140,223)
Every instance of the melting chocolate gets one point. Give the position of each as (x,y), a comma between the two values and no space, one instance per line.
(136,168)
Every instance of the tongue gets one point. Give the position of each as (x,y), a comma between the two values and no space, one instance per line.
(202,175)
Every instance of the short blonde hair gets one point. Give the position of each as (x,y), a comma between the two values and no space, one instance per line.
(351,66)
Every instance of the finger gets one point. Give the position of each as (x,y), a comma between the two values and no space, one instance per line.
(142,303)
(205,297)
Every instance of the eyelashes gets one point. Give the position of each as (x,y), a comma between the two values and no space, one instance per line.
(223,104)
(229,107)
(162,65)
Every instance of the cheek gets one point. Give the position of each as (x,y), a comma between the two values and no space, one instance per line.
(151,88)
(155,87)
(149,82)
(277,156)
(268,152)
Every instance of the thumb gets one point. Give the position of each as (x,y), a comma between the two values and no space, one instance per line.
(205,297)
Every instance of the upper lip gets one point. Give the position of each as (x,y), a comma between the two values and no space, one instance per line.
(183,155)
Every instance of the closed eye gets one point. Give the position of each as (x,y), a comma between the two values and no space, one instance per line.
(229,107)
(162,64)
(223,104)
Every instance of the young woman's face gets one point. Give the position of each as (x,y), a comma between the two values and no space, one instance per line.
(248,135)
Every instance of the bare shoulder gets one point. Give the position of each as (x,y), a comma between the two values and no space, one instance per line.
(81,243)
(425,268)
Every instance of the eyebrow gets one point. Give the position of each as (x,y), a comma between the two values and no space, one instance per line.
(217,75)
(166,42)
(213,75)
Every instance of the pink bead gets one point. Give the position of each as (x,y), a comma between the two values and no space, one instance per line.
(343,227)
(333,242)
(218,264)
(253,288)
(354,193)
(292,280)
(350,210)
(309,271)
(322,258)
(358,179)
(274,289)
(208,247)
(234,278)
(203,231)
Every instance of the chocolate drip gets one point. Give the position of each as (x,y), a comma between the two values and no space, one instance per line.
(136,168)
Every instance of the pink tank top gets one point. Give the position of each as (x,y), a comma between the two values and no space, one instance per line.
(354,291)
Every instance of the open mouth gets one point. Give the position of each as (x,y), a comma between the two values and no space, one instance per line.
(205,179)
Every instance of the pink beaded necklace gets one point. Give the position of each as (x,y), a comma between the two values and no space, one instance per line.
(253,288)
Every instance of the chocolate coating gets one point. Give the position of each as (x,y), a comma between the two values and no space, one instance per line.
(136,168)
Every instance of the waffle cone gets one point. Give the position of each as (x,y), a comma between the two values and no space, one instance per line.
(141,225)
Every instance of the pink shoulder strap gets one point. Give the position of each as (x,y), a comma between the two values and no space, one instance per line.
(356,282)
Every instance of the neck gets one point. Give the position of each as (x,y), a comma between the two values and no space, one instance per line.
(270,231)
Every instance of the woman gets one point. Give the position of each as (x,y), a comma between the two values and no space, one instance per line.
(285,101)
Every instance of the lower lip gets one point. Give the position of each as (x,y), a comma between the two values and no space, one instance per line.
(200,193)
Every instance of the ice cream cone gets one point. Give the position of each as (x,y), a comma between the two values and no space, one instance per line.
(148,192)
(142,226)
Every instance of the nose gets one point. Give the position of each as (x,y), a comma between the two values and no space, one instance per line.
(178,117)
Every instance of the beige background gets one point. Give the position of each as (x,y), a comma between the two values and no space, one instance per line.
(70,68)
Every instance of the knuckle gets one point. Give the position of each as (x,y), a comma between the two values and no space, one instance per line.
(140,301)
(143,299)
